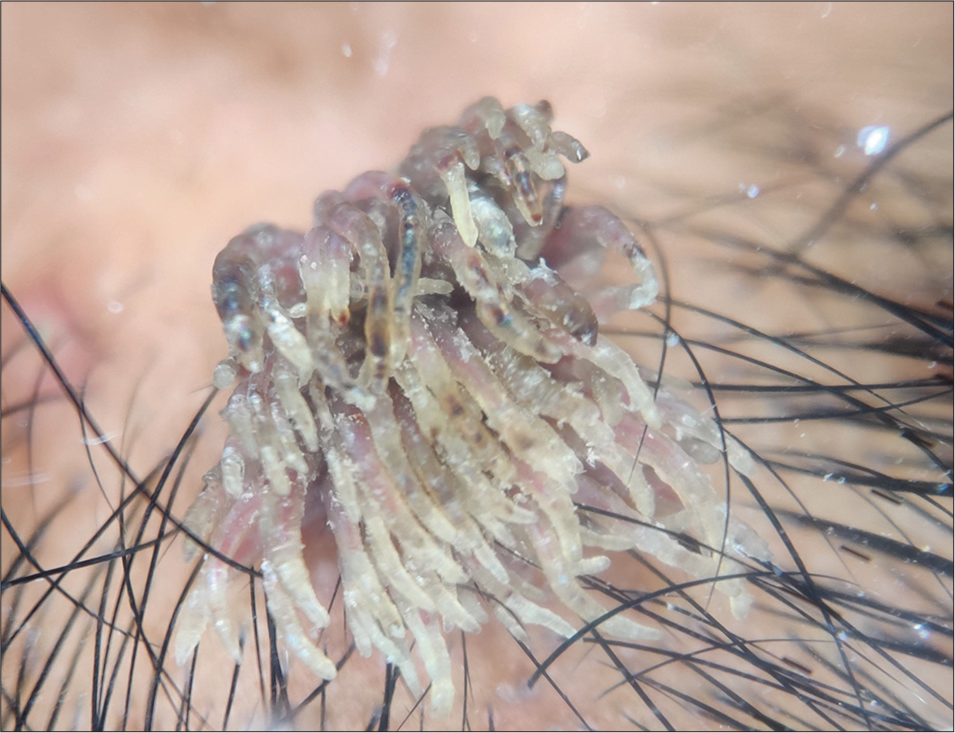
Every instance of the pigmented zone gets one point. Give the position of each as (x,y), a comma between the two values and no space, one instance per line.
(422,359)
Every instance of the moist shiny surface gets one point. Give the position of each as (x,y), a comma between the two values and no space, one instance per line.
(139,138)
(417,362)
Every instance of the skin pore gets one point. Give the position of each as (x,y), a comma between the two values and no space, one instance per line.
(138,140)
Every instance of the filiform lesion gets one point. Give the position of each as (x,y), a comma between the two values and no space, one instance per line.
(423,361)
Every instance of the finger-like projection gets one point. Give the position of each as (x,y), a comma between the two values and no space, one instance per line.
(417,365)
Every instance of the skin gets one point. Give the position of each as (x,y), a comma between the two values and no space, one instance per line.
(138,139)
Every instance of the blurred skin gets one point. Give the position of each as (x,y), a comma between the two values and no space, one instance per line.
(137,139)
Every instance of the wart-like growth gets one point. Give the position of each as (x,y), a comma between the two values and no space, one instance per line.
(418,361)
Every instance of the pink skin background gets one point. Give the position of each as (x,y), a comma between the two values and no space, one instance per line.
(137,139)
